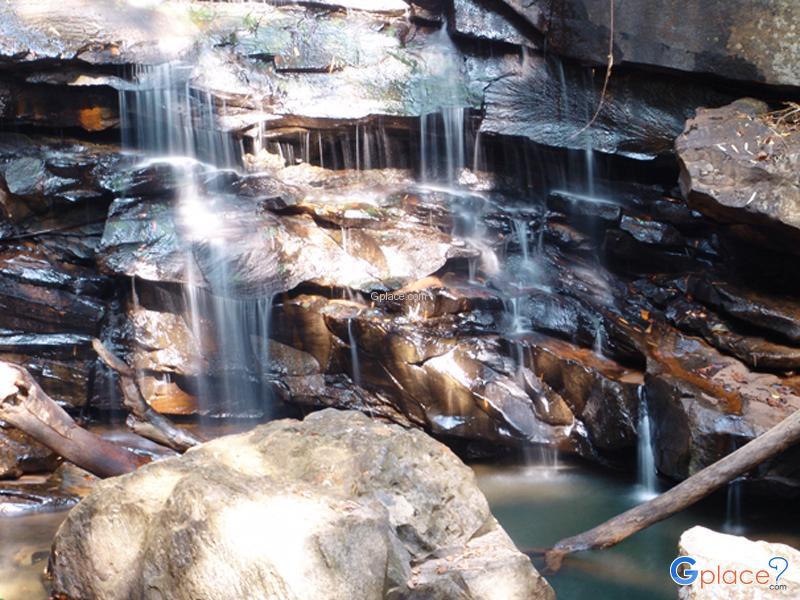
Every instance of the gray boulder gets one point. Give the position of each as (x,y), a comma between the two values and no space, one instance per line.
(336,506)
(741,165)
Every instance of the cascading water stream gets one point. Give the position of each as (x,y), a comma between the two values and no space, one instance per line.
(521,229)
(733,508)
(169,121)
(646,460)
(355,366)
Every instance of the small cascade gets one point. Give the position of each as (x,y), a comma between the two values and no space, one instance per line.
(543,459)
(646,459)
(355,365)
(517,324)
(733,508)
(168,120)
(234,330)
(163,115)
(443,143)
(599,335)
(521,230)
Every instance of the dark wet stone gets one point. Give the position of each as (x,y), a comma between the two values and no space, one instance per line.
(756,352)
(20,454)
(584,207)
(651,232)
(598,391)
(663,33)
(636,256)
(60,490)
(704,405)
(551,103)
(62,363)
(776,314)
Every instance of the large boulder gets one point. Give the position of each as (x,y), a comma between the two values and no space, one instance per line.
(741,165)
(733,553)
(336,506)
(738,39)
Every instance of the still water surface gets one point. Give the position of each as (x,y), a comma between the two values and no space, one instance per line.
(539,507)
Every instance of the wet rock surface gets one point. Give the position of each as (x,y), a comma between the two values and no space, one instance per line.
(705,404)
(551,103)
(368,510)
(349,260)
(19,454)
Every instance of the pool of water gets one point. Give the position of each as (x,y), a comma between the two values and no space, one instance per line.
(540,506)
(24,547)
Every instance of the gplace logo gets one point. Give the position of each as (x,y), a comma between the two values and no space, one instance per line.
(682,574)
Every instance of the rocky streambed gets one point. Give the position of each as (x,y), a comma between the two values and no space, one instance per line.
(397,208)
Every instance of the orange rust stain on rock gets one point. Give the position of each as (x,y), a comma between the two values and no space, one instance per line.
(94,118)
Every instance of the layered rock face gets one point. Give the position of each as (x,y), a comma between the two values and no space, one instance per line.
(323,244)
(335,506)
(739,39)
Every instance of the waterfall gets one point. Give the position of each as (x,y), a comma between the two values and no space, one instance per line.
(442,122)
(161,114)
(646,459)
(169,121)
(355,366)
(733,508)
(521,230)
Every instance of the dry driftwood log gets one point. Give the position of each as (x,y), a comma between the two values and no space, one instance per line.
(27,407)
(143,420)
(698,486)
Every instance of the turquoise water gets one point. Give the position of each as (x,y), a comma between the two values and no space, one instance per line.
(539,507)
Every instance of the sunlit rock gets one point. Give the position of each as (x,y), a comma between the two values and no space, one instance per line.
(740,165)
(741,558)
(93,32)
(497,24)
(335,506)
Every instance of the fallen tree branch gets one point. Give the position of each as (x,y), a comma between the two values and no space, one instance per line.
(27,407)
(698,486)
(144,420)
